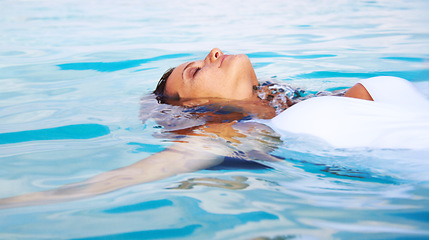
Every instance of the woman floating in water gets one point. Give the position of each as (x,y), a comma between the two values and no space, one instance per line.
(394,115)
(230,106)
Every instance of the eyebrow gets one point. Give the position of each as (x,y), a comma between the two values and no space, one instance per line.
(184,69)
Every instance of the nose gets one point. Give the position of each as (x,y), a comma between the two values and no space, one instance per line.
(213,55)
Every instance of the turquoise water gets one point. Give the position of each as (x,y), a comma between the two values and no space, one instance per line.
(73,74)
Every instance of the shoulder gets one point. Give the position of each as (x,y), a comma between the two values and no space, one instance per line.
(358,91)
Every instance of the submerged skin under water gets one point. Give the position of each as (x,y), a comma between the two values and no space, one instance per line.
(82,67)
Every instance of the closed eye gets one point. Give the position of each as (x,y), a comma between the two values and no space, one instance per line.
(196,71)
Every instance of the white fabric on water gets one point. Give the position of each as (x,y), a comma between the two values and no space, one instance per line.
(397,118)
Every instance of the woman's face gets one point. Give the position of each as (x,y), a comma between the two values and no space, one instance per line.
(217,76)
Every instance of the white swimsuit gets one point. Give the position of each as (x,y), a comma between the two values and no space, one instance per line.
(397,118)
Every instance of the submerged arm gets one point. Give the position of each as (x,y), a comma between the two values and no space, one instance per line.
(207,147)
(192,155)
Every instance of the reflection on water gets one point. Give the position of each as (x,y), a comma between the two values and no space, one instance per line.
(238,183)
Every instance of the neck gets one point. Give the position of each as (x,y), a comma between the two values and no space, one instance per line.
(253,106)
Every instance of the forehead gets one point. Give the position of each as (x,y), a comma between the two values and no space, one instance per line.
(175,81)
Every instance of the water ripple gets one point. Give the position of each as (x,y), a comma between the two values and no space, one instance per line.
(412,75)
(277,55)
(78,131)
(149,234)
(149,205)
(116,66)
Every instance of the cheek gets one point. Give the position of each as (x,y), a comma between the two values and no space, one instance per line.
(199,87)
(211,81)
(220,82)
(214,87)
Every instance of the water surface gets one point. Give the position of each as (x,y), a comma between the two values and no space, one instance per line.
(72,76)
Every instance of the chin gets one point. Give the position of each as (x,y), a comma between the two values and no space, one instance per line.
(247,70)
(243,57)
(243,64)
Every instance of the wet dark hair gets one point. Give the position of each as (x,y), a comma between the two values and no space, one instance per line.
(160,88)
